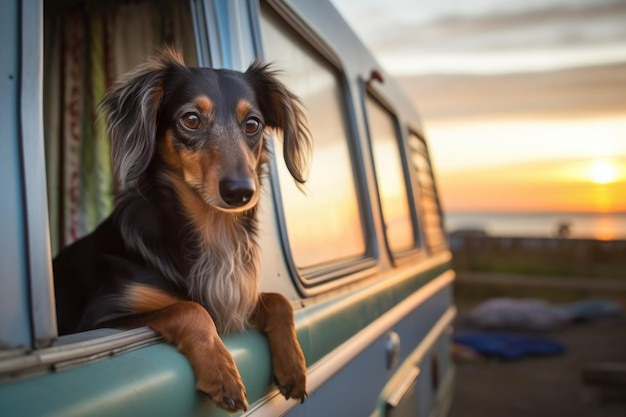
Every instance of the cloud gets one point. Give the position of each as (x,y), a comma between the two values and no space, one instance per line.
(597,90)
(502,30)
(489,37)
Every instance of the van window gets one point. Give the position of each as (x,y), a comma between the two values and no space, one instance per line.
(431,220)
(87,47)
(390,177)
(324,224)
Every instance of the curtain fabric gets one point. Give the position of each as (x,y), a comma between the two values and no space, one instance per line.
(87,47)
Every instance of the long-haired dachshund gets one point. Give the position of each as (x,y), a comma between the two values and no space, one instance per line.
(178,253)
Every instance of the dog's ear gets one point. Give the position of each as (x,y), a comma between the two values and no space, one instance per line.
(282,109)
(130,107)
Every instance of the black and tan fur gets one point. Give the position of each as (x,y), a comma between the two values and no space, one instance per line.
(179,251)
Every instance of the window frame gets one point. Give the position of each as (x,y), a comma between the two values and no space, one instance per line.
(411,184)
(34,189)
(318,279)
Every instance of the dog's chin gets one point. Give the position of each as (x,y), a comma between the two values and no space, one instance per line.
(234,209)
(223,207)
(216,203)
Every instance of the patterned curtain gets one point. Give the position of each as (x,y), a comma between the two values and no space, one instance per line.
(86,48)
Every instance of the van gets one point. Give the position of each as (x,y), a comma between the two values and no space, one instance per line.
(361,254)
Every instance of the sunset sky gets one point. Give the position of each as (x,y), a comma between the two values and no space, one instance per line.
(523,102)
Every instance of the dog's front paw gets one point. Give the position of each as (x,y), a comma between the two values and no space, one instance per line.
(295,390)
(221,382)
(289,368)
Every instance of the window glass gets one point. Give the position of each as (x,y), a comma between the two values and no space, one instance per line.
(323,224)
(390,177)
(428,200)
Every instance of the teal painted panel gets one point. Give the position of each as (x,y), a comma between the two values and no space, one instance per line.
(158,381)
(326,325)
(152,381)
(149,382)
(355,389)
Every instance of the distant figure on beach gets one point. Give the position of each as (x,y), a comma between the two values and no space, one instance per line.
(563,230)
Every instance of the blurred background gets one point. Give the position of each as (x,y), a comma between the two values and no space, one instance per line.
(524,106)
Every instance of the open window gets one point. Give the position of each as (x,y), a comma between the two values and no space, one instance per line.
(88,45)
(325,227)
(63,164)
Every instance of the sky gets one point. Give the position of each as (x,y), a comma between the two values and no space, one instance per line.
(523,101)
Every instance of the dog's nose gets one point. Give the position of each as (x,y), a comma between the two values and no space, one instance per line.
(236,192)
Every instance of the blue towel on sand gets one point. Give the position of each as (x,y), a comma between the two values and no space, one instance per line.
(509,346)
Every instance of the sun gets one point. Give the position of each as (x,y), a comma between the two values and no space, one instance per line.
(603,171)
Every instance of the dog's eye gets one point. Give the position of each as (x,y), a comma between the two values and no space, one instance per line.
(191,120)
(252,125)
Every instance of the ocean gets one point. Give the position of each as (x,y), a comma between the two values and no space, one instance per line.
(602,226)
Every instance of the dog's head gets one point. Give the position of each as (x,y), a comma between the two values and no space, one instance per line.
(204,126)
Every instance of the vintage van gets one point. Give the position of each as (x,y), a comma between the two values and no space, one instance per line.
(362,255)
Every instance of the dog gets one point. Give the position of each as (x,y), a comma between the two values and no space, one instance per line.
(179,251)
